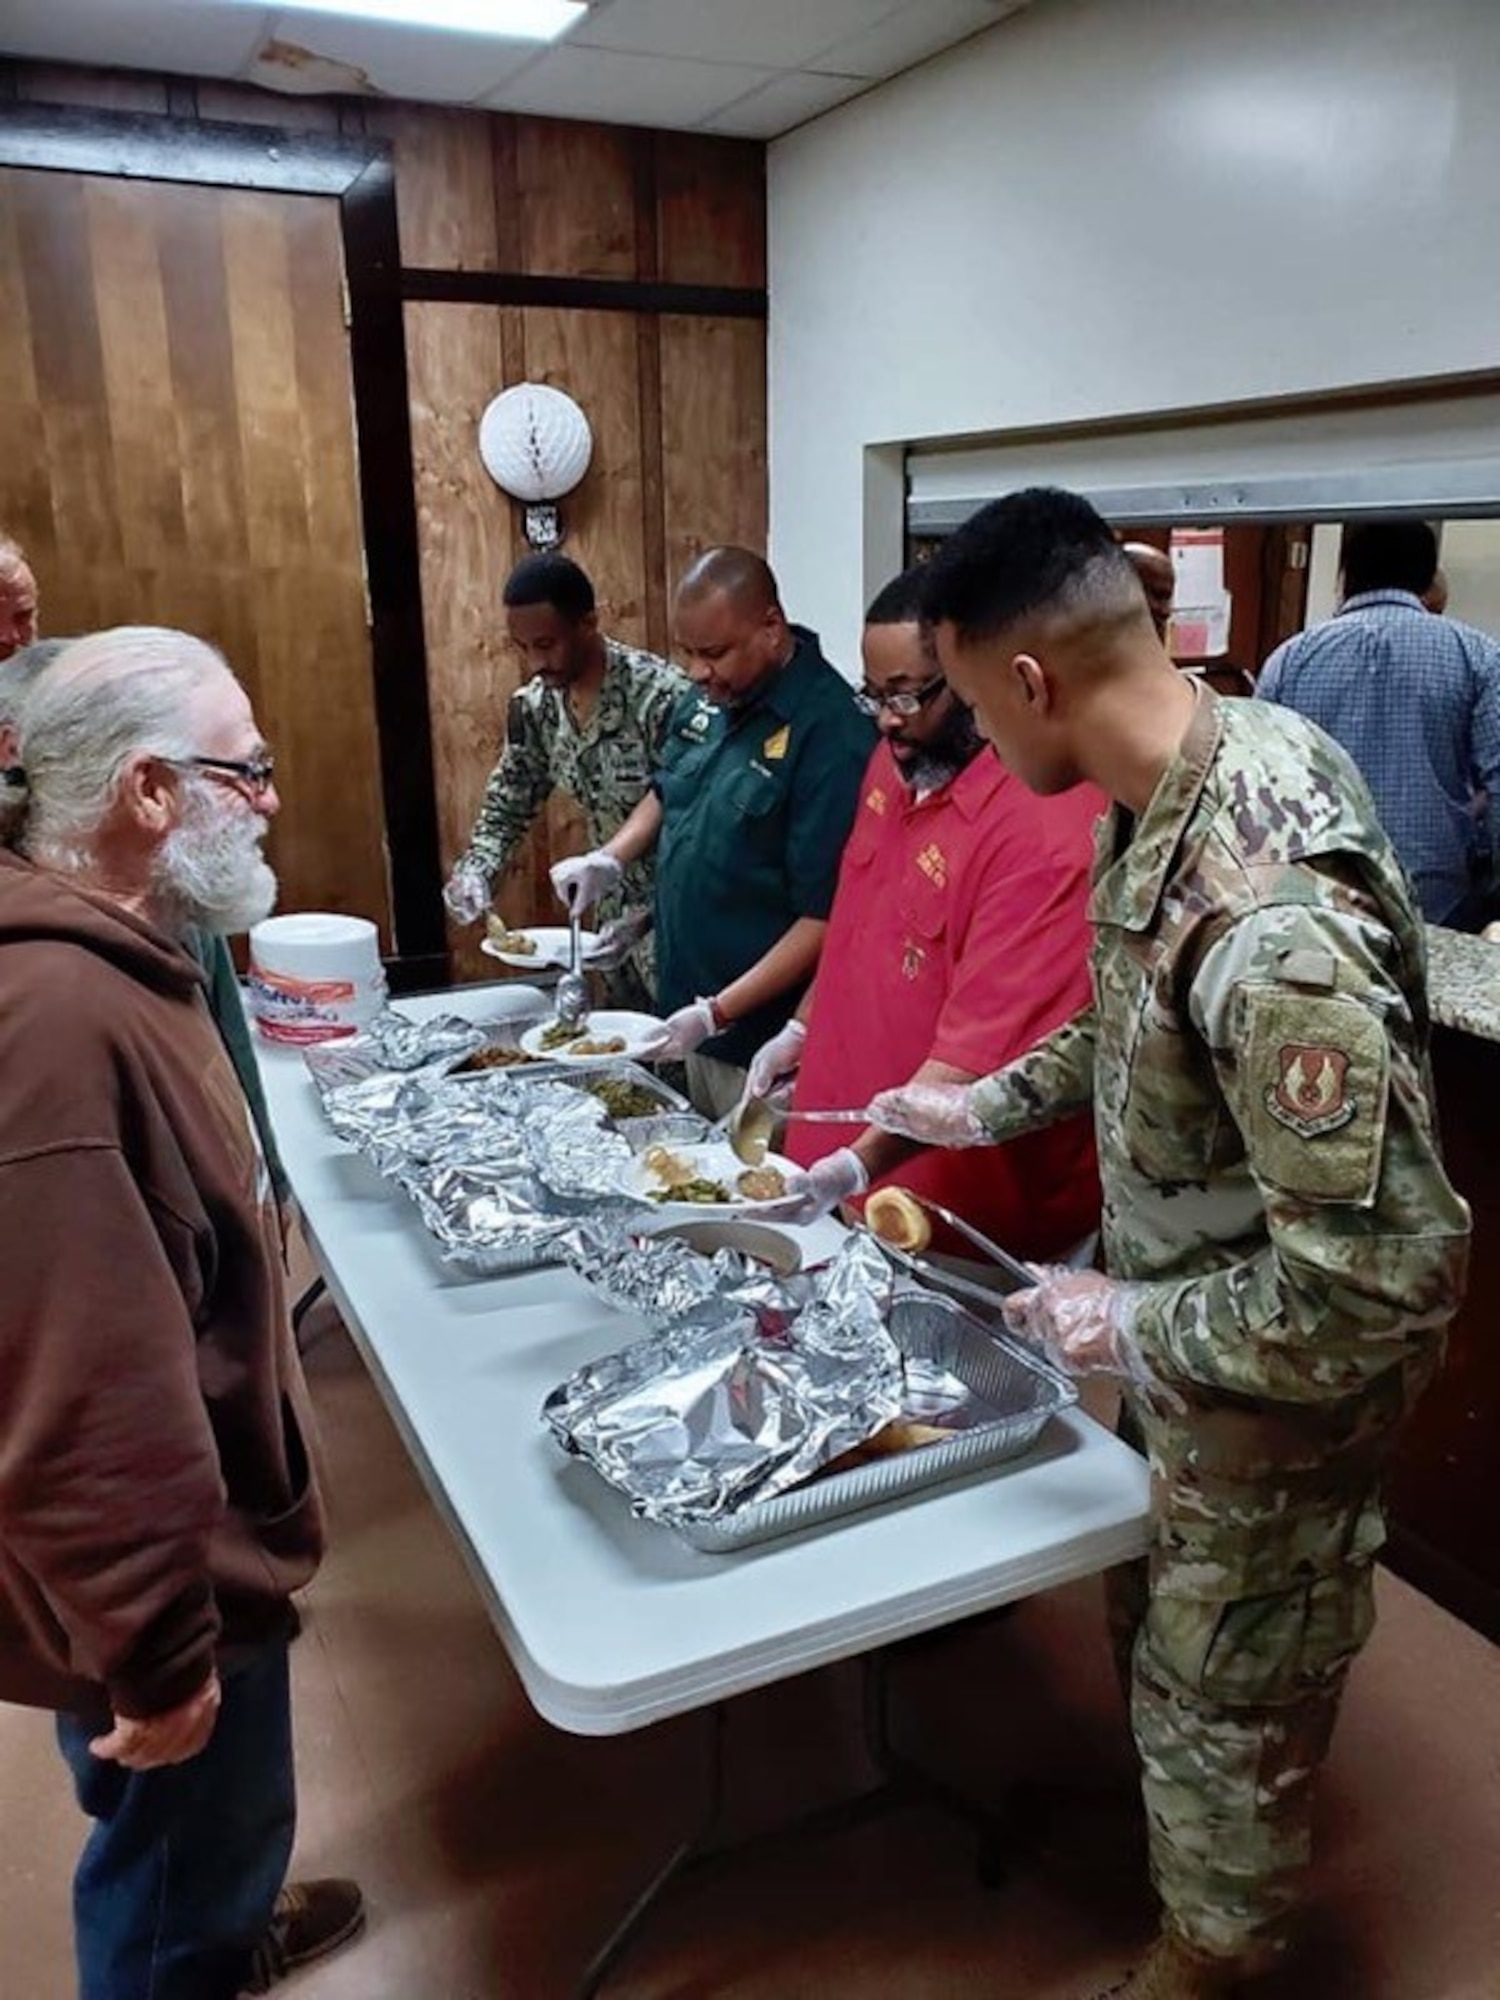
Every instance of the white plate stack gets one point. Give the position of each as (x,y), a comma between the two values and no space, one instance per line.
(315,977)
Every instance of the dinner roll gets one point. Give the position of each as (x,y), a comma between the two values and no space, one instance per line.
(898,1219)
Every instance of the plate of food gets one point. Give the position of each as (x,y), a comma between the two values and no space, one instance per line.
(608,1034)
(535,947)
(690,1182)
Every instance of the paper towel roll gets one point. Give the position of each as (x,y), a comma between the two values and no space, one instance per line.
(314,977)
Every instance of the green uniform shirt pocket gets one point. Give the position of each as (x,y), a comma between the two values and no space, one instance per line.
(1315,1076)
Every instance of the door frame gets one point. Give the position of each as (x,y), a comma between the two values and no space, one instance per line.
(359,174)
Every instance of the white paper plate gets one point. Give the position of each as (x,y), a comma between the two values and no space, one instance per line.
(638,1032)
(714,1161)
(552,947)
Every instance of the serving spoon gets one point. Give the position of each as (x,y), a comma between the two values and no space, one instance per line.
(749,1126)
(571,999)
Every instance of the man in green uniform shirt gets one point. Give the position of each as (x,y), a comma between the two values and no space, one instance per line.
(589,721)
(754,795)
(1283,1248)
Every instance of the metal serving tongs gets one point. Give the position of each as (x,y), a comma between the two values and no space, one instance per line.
(749,1126)
(571,1000)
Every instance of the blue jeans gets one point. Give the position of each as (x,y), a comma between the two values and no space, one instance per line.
(177,1880)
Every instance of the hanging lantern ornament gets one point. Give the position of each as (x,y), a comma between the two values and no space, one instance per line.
(536,445)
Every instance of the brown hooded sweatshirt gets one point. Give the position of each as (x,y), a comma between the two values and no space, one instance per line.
(157,1503)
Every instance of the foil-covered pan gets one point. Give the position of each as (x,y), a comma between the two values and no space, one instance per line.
(486,1220)
(993,1395)
(697,1419)
(606,1082)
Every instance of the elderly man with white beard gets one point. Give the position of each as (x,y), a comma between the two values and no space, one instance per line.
(157,1501)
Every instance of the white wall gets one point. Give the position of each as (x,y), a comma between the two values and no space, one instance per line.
(1109,207)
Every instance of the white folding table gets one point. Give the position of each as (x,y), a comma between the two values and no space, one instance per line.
(612,1623)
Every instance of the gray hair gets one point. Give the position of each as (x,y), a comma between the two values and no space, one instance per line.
(105,699)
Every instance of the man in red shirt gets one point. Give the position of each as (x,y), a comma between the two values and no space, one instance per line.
(958,937)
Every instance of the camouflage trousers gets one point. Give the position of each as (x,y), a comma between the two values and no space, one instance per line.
(1233,1700)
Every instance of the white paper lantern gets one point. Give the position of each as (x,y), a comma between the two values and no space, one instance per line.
(535,442)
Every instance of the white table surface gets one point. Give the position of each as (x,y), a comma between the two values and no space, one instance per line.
(613,1623)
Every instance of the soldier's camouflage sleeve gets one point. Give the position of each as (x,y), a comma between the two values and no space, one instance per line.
(514,793)
(1054,1079)
(1324,1074)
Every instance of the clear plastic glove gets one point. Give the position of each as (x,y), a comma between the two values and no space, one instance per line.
(467,894)
(683,1031)
(773,1060)
(618,939)
(934,1114)
(838,1177)
(580,881)
(1082,1322)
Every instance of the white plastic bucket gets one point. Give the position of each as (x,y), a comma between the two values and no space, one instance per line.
(315,977)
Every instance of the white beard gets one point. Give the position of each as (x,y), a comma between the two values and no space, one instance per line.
(209,870)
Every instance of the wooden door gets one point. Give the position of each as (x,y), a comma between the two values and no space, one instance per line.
(177,448)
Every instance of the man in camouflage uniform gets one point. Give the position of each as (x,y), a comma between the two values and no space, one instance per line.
(589,720)
(1283,1249)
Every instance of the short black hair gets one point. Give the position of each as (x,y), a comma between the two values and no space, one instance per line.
(551,579)
(1033,550)
(898,602)
(1388,555)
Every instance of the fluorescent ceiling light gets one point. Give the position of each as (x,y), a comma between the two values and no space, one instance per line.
(510,20)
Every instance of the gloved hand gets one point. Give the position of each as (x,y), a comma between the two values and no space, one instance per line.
(618,939)
(580,881)
(775,1059)
(837,1177)
(682,1032)
(1082,1322)
(467,894)
(934,1114)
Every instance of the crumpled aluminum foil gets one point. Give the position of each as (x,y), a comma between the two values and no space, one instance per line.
(392,1042)
(571,1147)
(698,1421)
(667,1283)
(399,1121)
(485,1219)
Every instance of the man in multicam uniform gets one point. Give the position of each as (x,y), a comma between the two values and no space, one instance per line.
(589,721)
(1282,1246)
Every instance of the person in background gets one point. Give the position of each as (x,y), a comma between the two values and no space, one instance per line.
(18,675)
(1282,1248)
(589,720)
(1415,700)
(958,937)
(18,599)
(1159,581)
(758,783)
(157,1499)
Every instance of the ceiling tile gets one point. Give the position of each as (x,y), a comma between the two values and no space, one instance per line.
(779,34)
(571,82)
(910,33)
(787,100)
(407,62)
(134,34)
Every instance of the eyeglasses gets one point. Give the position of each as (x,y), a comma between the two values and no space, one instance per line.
(256,774)
(908,701)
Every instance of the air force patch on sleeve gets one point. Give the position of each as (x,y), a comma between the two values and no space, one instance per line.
(1311,1093)
(1314,1078)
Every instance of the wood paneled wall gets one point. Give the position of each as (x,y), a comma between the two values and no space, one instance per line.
(677,402)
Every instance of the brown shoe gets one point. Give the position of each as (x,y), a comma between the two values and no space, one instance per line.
(310,1920)
(1172,1970)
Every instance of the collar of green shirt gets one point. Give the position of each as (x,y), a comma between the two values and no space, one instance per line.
(1128,890)
(783,692)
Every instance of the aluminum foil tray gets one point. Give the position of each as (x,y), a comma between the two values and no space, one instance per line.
(1013,1396)
(579,1078)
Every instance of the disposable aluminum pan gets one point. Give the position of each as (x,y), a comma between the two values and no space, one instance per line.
(1008,1396)
(579,1078)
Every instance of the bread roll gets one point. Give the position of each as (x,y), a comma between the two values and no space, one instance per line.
(898,1219)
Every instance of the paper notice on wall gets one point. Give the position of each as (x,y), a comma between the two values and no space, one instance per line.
(1201,605)
(1202,633)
